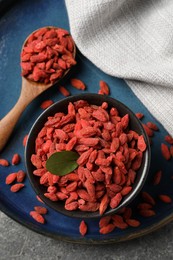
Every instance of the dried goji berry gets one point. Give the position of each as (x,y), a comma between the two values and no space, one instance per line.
(64,91)
(144,205)
(45,104)
(148,198)
(152,126)
(133,222)
(118,221)
(25,140)
(41,210)
(169,139)
(107,229)
(4,162)
(77,83)
(165,198)
(83,228)
(11,178)
(16,159)
(165,151)
(148,130)
(104,221)
(104,87)
(157,177)
(16,187)
(141,143)
(147,212)
(36,216)
(139,115)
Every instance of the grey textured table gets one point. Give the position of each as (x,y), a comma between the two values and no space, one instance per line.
(19,243)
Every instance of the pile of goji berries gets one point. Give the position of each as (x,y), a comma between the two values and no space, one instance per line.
(110,155)
(47,54)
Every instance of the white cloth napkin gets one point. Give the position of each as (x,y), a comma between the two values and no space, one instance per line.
(130,39)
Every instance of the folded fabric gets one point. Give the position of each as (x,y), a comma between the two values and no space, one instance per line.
(130,39)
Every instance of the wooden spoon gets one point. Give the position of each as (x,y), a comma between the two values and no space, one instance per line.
(29,91)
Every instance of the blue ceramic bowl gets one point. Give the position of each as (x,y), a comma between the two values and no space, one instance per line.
(61,106)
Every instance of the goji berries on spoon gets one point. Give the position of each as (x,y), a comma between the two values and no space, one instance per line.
(46,57)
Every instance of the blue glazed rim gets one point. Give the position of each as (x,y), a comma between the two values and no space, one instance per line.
(61,106)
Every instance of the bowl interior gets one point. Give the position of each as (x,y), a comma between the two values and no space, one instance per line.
(61,106)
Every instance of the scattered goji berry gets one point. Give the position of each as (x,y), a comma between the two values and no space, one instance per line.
(139,115)
(107,229)
(147,212)
(11,178)
(16,187)
(165,151)
(25,140)
(16,159)
(47,103)
(148,198)
(41,210)
(169,139)
(4,162)
(133,222)
(83,228)
(165,198)
(20,176)
(64,91)
(38,217)
(152,126)
(157,177)
(104,87)
(77,83)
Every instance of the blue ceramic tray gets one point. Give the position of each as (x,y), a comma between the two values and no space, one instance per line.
(15,25)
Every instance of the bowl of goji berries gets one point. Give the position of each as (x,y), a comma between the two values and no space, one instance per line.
(47,55)
(87,155)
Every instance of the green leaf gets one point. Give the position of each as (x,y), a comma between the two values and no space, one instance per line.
(62,163)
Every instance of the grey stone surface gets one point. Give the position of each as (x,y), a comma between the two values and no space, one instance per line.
(20,243)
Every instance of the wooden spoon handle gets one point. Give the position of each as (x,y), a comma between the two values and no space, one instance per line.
(8,123)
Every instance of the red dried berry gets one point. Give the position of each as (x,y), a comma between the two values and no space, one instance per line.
(104,88)
(165,198)
(152,126)
(147,212)
(11,178)
(25,140)
(45,104)
(165,151)
(37,217)
(169,139)
(133,222)
(139,115)
(157,177)
(41,210)
(141,143)
(20,176)
(15,159)
(4,162)
(64,91)
(77,83)
(148,198)
(16,187)
(83,228)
